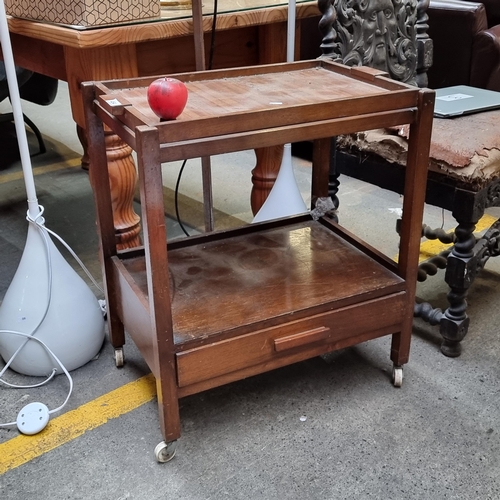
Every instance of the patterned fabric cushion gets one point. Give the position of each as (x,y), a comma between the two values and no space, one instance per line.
(466,148)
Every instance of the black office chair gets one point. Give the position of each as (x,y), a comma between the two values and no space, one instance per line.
(33,87)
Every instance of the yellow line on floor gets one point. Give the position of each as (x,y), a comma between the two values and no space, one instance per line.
(15,176)
(429,248)
(21,449)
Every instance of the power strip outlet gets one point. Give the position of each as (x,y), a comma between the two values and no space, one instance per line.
(33,418)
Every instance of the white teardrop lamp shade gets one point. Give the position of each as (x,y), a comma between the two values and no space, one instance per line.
(73,325)
(285,198)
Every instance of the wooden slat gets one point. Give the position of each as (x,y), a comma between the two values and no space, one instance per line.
(155,244)
(281,135)
(125,133)
(417,167)
(99,176)
(183,129)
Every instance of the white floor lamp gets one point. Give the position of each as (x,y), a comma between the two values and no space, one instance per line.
(285,198)
(46,299)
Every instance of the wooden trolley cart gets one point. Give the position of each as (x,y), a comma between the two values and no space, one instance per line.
(215,308)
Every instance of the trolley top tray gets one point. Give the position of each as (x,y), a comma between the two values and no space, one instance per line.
(252,98)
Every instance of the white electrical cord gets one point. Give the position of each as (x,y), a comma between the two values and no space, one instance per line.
(39,222)
(30,337)
(30,421)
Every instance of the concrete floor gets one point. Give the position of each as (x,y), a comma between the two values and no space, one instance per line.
(327,428)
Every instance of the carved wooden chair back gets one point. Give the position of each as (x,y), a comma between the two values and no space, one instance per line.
(390,35)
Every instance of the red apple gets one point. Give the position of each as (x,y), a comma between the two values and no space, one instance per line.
(167,97)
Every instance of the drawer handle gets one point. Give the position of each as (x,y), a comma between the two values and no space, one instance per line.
(300,339)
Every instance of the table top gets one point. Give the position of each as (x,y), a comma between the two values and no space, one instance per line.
(267,94)
(242,102)
(173,23)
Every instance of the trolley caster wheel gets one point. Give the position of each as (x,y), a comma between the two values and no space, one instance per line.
(397,376)
(164,452)
(119,357)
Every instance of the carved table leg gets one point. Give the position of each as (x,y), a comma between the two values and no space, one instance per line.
(460,273)
(122,178)
(264,174)
(271,50)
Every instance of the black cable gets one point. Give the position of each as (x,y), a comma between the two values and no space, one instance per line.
(210,63)
(176,194)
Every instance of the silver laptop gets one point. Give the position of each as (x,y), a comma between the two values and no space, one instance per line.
(463,100)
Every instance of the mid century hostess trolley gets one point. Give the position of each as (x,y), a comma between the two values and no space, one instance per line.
(212,309)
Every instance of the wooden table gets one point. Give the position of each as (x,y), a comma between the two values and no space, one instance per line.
(255,34)
(212,309)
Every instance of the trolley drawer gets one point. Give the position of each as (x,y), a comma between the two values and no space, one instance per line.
(294,341)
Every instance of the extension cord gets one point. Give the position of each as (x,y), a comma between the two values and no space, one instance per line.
(33,418)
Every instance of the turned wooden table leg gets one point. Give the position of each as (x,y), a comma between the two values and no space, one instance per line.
(461,269)
(264,174)
(271,50)
(123,179)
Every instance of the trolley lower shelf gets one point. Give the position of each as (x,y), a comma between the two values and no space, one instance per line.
(254,299)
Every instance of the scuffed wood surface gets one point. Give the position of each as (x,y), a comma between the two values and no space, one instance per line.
(278,91)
